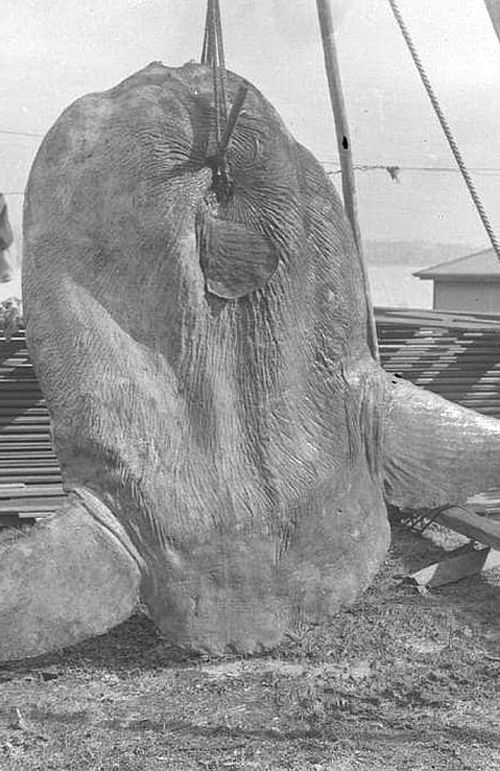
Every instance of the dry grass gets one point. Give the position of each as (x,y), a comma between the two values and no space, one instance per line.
(400,681)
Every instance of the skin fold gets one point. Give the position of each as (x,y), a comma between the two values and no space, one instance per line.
(226,439)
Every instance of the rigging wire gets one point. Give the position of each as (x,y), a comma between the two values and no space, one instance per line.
(444,125)
(213,55)
(489,171)
(484,170)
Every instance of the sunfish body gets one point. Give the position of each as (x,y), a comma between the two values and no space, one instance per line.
(226,438)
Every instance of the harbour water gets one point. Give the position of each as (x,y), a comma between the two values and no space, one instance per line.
(396,287)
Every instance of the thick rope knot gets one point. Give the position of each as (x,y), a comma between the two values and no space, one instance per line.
(213,55)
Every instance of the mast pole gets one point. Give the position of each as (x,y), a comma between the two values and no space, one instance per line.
(344,149)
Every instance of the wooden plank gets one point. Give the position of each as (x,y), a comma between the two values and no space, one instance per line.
(32,478)
(39,409)
(472,525)
(485,498)
(28,460)
(21,418)
(25,441)
(21,469)
(8,474)
(27,450)
(13,445)
(26,386)
(16,396)
(34,491)
(24,515)
(20,458)
(50,503)
(32,470)
(16,429)
(24,464)
(15,359)
(457,565)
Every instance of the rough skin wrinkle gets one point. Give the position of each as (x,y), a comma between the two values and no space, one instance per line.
(226,439)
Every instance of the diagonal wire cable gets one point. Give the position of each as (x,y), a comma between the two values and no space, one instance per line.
(213,55)
(221,58)
(205,51)
(444,125)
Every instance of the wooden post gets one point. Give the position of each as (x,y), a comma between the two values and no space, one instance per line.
(493,7)
(344,149)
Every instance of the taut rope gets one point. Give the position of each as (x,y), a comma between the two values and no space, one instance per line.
(444,125)
(213,55)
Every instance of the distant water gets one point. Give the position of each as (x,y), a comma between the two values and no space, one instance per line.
(391,285)
(395,286)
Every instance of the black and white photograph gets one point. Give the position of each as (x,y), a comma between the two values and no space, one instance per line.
(250,385)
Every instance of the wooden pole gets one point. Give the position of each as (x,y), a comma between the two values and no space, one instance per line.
(493,7)
(344,150)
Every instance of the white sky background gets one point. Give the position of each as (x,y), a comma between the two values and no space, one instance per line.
(54,51)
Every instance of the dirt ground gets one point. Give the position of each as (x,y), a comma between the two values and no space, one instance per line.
(402,680)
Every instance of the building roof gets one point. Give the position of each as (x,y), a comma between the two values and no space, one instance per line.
(479,266)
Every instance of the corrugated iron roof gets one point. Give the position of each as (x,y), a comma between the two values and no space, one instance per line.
(478,266)
(422,317)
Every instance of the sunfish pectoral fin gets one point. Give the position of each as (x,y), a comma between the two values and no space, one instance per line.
(436,452)
(236,260)
(70,577)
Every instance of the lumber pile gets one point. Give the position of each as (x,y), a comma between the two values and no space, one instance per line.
(453,354)
(30,477)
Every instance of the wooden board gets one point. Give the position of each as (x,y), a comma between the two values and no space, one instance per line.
(26,505)
(31,491)
(472,525)
(457,565)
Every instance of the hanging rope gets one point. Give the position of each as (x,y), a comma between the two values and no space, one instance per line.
(444,125)
(212,55)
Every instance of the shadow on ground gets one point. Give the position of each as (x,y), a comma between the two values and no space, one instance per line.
(137,644)
(401,680)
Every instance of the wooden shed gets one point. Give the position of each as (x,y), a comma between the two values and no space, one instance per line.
(470,284)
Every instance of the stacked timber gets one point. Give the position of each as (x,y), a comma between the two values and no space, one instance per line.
(30,477)
(455,355)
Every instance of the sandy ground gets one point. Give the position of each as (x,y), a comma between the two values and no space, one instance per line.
(400,681)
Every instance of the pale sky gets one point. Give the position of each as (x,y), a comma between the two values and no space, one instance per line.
(54,51)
